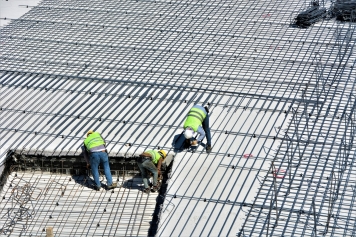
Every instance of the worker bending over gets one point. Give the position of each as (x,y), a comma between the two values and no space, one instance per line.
(95,153)
(147,162)
(197,121)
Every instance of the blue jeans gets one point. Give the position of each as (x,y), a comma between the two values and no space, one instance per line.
(145,166)
(206,128)
(102,158)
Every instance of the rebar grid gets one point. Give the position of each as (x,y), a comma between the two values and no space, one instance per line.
(310,181)
(226,81)
(76,210)
(70,65)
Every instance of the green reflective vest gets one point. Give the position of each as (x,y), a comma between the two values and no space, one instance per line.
(194,118)
(93,140)
(155,156)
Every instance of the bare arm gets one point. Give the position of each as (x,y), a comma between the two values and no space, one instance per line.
(86,155)
(159,164)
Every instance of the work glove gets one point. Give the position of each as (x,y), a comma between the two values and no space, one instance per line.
(194,143)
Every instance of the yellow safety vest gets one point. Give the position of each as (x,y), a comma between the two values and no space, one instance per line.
(194,118)
(93,140)
(154,155)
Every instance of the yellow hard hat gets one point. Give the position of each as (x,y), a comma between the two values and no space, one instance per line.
(89,132)
(163,153)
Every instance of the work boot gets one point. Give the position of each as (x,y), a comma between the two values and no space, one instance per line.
(208,148)
(112,186)
(146,190)
(155,188)
(96,188)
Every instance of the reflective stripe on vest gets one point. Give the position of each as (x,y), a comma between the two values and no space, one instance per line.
(194,118)
(93,140)
(154,155)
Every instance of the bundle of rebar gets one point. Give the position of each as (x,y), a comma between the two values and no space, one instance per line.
(345,10)
(310,16)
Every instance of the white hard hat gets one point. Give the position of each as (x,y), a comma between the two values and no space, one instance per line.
(188,133)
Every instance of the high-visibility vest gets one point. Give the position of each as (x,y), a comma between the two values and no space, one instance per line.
(154,155)
(93,140)
(194,118)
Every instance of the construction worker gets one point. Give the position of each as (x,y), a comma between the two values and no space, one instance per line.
(95,153)
(147,162)
(197,121)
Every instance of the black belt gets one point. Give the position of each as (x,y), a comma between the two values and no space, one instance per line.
(97,151)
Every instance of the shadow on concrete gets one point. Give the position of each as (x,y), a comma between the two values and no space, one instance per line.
(84,180)
(179,143)
(87,181)
(134,183)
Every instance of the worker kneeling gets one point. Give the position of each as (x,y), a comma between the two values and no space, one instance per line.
(147,162)
(197,121)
